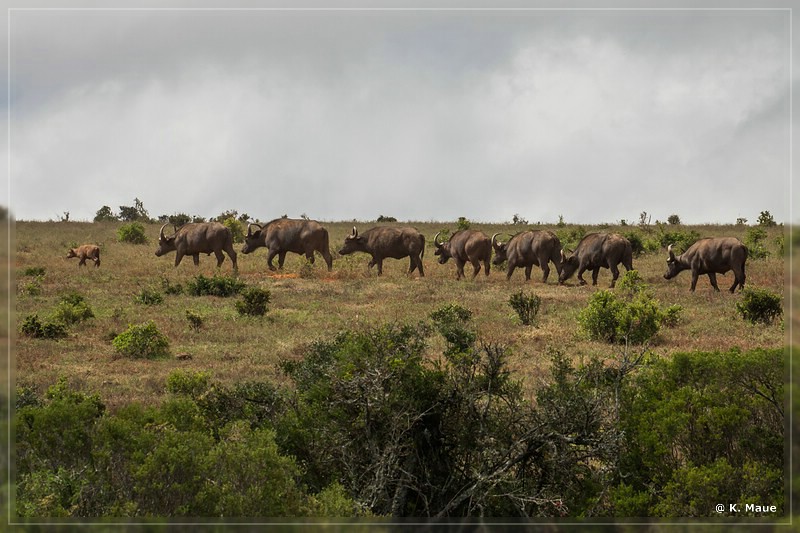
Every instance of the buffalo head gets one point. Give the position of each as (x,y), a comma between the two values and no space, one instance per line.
(672,265)
(500,251)
(568,267)
(442,249)
(253,240)
(353,243)
(165,244)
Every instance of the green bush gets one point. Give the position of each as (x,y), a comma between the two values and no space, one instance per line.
(236,229)
(189,383)
(754,241)
(681,240)
(674,220)
(759,306)
(222,286)
(452,322)
(142,341)
(195,320)
(34,272)
(766,219)
(72,309)
(463,223)
(169,288)
(631,315)
(33,327)
(149,297)
(254,301)
(132,233)
(526,306)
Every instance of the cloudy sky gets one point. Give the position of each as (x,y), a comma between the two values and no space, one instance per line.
(594,115)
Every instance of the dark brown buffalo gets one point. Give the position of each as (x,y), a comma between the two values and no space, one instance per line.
(383,242)
(198,238)
(710,256)
(527,249)
(84,252)
(465,246)
(596,251)
(284,235)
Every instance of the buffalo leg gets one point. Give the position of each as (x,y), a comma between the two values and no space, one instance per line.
(82,262)
(379,263)
(419,266)
(178,258)
(595,272)
(545,272)
(581,270)
(712,277)
(459,269)
(510,271)
(196,259)
(614,274)
(281,259)
(695,275)
(528,272)
(738,279)
(486,266)
(326,255)
(476,267)
(96,262)
(270,257)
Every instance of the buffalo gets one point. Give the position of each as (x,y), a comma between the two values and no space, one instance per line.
(527,249)
(382,242)
(284,235)
(84,252)
(196,238)
(465,246)
(710,256)
(595,251)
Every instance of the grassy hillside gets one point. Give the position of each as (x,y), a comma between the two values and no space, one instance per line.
(309,304)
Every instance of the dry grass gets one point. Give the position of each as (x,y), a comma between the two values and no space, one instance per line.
(310,306)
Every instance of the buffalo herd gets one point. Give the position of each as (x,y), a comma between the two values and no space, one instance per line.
(526,249)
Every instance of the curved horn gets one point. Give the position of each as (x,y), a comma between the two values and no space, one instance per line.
(493,240)
(161,233)
(670,252)
(355,232)
(435,242)
(249,229)
(563,256)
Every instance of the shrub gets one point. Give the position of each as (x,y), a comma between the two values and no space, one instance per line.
(33,287)
(637,244)
(72,309)
(674,220)
(34,272)
(526,306)
(306,270)
(236,228)
(132,233)
(149,297)
(33,327)
(105,214)
(463,223)
(671,316)
(383,218)
(222,286)
(169,288)
(195,320)
(254,301)
(571,237)
(766,219)
(632,317)
(452,323)
(142,341)
(189,383)
(681,240)
(754,240)
(759,305)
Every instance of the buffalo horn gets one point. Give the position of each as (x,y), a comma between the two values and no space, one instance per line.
(493,238)
(563,257)
(249,228)
(436,242)
(670,252)
(355,232)
(161,233)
